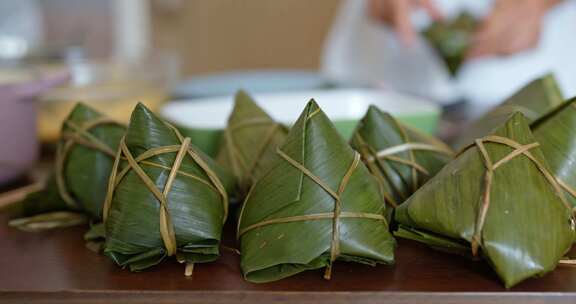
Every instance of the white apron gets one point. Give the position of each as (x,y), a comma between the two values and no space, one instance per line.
(361,51)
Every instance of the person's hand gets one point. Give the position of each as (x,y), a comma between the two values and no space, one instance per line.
(396,13)
(512,26)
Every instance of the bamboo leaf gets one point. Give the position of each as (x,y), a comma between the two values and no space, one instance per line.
(318,203)
(400,158)
(518,217)
(164,192)
(451,39)
(249,142)
(533,100)
(555,133)
(86,169)
(83,163)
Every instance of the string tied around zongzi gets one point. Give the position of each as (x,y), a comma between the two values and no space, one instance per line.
(79,135)
(568,189)
(237,159)
(335,215)
(491,166)
(371,156)
(47,221)
(388,153)
(134,163)
(367,152)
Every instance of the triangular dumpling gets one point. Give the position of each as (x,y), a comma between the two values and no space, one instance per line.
(142,228)
(287,224)
(88,147)
(523,227)
(556,134)
(401,158)
(77,187)
(533,100)
(249,141)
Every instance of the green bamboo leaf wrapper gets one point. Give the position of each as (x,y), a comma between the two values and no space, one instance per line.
(400,158)
(533,100)
(193,209)
(83,164)
(528,224)
(249,142)
(315,238)
(85,170)
(556,134)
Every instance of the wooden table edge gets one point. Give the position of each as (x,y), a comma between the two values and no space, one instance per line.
(241,296)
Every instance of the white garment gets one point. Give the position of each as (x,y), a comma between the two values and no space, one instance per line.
(361,51)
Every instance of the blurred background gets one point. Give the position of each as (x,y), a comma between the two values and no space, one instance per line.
(204,36)
(105,42)
(414,58)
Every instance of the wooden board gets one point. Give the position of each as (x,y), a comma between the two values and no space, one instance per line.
(55,267)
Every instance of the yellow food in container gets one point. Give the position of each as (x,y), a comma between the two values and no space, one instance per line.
(111,88)
(116,102)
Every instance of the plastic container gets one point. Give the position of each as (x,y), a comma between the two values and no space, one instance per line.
(204,119)
(255,81)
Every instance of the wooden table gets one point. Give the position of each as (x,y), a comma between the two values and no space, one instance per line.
(55,267)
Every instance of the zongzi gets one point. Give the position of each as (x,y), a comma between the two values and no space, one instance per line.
(250,141)
(452,39)
(497,198)
(401,158)
(165,198)
(84,159)
(533,100)
(556,134)
(318,203)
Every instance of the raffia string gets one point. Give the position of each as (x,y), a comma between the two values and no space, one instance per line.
(491,166)
(47,221)
(214,179)
(568,189)
(411,157)
(166,226)
(335,245)
(411,146)
(335,216)
(365,151)
(262,148)
(141,159)
(236,156)
(312,217)
(371,156)
(560,182)
(408,147)
(79,135)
